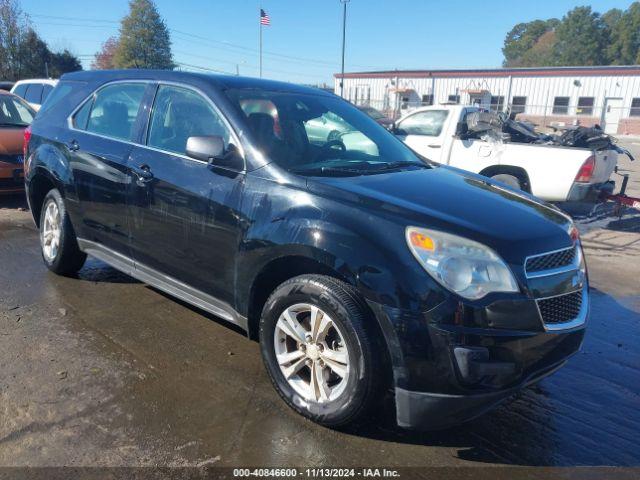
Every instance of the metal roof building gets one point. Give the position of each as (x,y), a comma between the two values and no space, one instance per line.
(609,96)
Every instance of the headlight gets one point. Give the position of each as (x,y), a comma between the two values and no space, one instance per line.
(463,266)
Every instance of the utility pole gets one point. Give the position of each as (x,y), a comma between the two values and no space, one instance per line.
(344,34)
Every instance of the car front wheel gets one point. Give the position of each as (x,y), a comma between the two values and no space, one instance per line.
(317,347)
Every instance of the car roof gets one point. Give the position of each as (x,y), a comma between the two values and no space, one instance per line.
(221,81)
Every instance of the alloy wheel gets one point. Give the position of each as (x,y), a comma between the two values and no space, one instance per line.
(51,231)
(312,353)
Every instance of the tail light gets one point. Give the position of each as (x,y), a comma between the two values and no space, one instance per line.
(586,170)
(25,142)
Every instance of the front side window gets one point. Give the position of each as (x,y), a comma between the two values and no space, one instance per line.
(561,106)
(179,113)
(14,113)
(429,123)
(310,134)
(34,93)
(115,109)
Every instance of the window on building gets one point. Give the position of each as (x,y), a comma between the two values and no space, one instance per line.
(560,106)
(427,99)
(635,107)
(585,106)
(497,103)
(518,104)
(454,99)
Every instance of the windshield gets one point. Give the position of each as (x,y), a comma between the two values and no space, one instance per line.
(320,135)
(14,113)
(372,112)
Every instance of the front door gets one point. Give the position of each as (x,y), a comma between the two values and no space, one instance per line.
(612,114)
(98,145)
(184,212)
(424,131)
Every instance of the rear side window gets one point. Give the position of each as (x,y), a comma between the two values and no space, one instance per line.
(178,114)
(114,110)
(21,90)
(34,93)
(427,123)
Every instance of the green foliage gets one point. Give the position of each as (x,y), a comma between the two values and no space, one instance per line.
(582,37)
(63,62)
(23,54)
(144,39)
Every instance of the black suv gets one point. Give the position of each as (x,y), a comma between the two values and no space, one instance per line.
(359,266)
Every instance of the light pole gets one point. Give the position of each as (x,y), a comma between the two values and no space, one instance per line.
(344,32)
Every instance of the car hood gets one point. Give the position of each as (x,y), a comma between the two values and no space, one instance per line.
(512,223)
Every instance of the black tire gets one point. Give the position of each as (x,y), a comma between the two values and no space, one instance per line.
(346,308)
(510,180)
(69,259)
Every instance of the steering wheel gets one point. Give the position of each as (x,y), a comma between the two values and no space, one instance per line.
(331,144)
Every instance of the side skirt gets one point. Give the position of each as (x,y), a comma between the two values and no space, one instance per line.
(163,282)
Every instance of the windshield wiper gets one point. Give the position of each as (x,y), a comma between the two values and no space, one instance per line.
(329,171)
(396,165)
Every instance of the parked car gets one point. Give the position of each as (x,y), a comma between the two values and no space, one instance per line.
(377,115)
(15,115)
(35,91)
(325,128)
(358,273)
(6,85)
(550,172)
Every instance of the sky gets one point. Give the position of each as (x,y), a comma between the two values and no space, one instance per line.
(303,43)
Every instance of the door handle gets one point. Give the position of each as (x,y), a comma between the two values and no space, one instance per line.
(73,146)
(143,174)
(434,145)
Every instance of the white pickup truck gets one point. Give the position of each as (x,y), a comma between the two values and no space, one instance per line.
(550,172)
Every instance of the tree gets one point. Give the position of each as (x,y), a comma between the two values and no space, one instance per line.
(522,38)
(144,38)
(581,38)
(34,54)
(542,53)
(104,59)
(624,48)
(13,26)
(63,62)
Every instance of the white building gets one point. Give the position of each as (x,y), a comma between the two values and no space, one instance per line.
(608,96)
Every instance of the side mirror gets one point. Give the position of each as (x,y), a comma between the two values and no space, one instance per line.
(211,149)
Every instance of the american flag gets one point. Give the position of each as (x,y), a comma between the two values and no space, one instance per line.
(264,18)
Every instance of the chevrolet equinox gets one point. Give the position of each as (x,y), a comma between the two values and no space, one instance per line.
(359,266)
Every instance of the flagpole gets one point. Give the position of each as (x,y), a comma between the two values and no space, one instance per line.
(260,22)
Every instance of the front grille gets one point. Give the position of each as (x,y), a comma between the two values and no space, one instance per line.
(560,309)
(550,261)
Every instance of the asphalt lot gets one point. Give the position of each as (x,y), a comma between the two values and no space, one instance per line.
(103,370)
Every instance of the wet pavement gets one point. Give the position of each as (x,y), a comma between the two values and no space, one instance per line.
(103,370)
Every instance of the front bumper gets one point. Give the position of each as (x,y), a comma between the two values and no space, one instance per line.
(447,371)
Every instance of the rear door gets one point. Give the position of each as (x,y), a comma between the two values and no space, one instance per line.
(424,131)
(185,219)
(99,143)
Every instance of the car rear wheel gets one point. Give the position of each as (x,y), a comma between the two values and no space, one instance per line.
(318,350)
(58,242)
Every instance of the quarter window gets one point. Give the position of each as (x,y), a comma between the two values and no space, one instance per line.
(82,116)
(179,113)
(560,105)
(427,123)
(585,106)
(21,90)
(115,109)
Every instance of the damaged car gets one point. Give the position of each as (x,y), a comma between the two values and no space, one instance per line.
(360,268)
